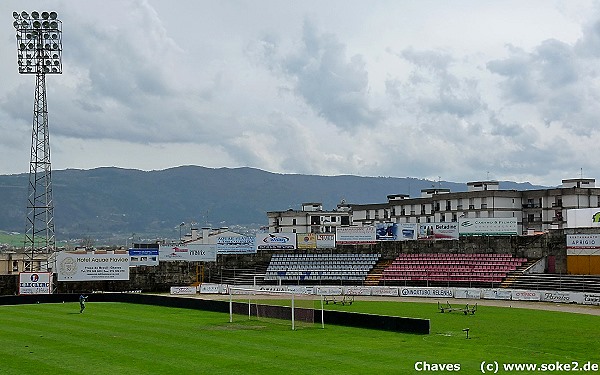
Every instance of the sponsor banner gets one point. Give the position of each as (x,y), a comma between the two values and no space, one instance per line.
(87,267)
(426,292)
(325,240)
(505,294)
(329,290)
(236,245)
(276,241)
(355,235)
(526,295)
(555,296)
(386,232)
(207,288)
(583,244)
(591,299)
(469,293)
(183,290)
(577,297)
(388,291)
(583,218)
(487,226)
(299,289)
(35,283)
(306,241)
(357,290)
(407,231)
(188,253)
(438,231)
(143,257)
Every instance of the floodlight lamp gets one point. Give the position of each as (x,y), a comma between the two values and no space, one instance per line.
(16,24)
(54,25)
(16,15)
(25,15)
(37,24)
(46,24)
(45,15)
(53,15)
(35,15)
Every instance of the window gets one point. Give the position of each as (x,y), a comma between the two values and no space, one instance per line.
(293,221)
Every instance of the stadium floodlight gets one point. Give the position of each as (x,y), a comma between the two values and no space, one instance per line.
(41,35)
(39,52)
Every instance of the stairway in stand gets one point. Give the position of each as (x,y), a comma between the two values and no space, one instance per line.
(511,277)
(375,275)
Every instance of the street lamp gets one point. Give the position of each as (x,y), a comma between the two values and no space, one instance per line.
(39,52)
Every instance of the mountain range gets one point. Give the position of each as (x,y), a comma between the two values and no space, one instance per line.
(108,201)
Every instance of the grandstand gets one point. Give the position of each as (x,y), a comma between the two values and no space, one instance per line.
(321,268)
(455,269)
(560,282)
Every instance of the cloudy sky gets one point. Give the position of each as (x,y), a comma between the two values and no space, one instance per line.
(452,90)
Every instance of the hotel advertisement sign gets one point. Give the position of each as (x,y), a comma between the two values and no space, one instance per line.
(276,241)
(88,266)
(236,245)
(488,226)
(35,283)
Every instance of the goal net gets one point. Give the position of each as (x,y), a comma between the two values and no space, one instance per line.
(298,310)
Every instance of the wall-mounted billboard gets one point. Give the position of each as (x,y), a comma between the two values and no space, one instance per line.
(90,266)
(355,235)
(236,245)
(386,232)
(325,240)
(188,253)
(438,231)
(487,226)
(276,241)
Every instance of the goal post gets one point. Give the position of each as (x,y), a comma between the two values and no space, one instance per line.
(274,304)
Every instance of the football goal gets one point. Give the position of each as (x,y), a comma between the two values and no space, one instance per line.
(278,305)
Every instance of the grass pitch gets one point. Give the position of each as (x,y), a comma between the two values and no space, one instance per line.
(117,338)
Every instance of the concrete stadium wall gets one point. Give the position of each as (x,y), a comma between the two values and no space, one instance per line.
(167,274)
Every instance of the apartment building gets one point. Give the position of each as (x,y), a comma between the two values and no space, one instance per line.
(536,210)
(310,219)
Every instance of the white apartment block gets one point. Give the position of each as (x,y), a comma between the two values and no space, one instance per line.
(536,210)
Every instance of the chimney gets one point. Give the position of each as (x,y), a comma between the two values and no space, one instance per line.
(194,234)
(205,232)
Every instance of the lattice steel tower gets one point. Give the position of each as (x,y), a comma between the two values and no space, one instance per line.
(39,49)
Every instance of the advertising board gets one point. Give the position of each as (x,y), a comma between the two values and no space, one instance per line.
(236,245)
(276,241)
(188,253)
(438,231)
(306,241)
(355,235)
(386,232)
(143,257)
(90,266)
(488,226)
(35,283)
(325,240)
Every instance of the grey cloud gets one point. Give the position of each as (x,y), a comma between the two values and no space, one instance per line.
(437,88)
(335,87)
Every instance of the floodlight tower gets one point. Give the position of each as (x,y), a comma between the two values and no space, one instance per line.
(39,49)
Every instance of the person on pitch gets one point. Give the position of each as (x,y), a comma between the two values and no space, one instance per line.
(82,300)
